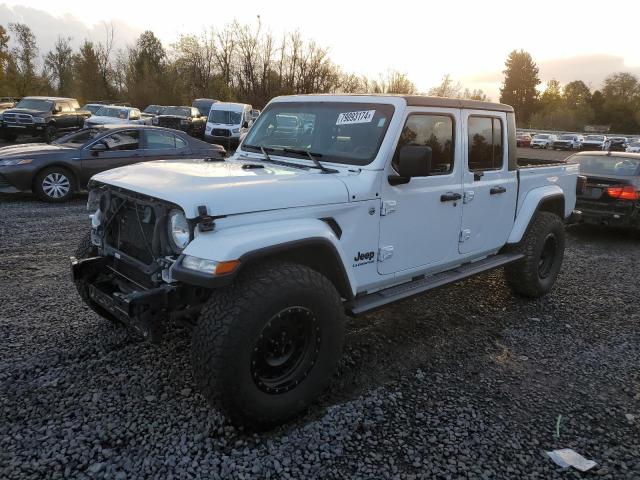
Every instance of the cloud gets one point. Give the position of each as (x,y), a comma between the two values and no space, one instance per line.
(47,28)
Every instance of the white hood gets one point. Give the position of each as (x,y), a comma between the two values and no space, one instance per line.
(226,188)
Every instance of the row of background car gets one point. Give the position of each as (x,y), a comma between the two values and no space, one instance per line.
(575,141)
(46,117)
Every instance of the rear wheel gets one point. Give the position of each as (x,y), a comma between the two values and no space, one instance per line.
(54,184)
(543,249)
(266,347)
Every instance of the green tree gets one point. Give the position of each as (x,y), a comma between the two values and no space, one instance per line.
(88,81)
(59,66)
(519,85)
(576,94)
(621,102)
(25,53)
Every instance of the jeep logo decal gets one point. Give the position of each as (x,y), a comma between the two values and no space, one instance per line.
(363,258)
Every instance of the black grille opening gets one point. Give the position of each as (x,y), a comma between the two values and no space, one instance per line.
(221,132)
(131,230)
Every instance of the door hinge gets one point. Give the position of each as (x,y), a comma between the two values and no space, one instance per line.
(388,206)
(385,252)
(465,234)
(469,195)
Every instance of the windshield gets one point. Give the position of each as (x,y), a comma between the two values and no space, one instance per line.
(228,117)
(566,137)
(595,138)
(153,109)
(113,112)
(35,104)
(203,105)
(340,132)
(78,138)
(541,137)
(608,165)
(92,108)
(178,111)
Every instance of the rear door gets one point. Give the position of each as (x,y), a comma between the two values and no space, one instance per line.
(161,145)
(123,148)
(420,220)
(67,118)
(490,187)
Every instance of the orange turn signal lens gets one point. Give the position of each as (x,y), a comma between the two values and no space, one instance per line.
(226,267)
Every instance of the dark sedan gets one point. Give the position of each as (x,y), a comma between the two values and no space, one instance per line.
(55,171)
(612,195)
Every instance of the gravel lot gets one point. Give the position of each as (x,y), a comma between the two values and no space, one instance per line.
(465,382)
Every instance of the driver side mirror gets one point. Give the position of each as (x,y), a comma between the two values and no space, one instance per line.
(96,148)
(413,161)
(245,124)
(57,109)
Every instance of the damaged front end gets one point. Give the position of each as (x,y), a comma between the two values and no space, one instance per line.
(138,241)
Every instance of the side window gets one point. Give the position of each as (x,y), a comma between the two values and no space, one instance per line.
(195,112)
(485,144)
(134,114)
(160,140)
(180,143)
(75,105)
(435,131)
(125,140)
(65,107)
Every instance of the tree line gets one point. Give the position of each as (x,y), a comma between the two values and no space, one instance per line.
(572,106)
(239,62)
(245,63)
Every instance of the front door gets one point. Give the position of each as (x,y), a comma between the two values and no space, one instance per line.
(420,220)
(490,186)
(122,148)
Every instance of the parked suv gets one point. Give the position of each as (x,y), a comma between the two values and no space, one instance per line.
(42,117)
(543,140)
(187,119)
(333,205)
(568,142)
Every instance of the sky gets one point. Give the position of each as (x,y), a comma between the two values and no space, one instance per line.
(469,40)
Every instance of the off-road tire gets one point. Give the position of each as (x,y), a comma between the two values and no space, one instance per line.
(230,330)
(87,249)
(527,277)
(54,173)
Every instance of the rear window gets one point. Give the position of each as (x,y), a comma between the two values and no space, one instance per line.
(608,165)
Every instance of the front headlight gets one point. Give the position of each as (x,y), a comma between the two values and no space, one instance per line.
(21,161)
(178,230)
(209,266)
(38,120)
(235,130)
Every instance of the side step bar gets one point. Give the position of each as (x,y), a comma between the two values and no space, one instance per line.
(363,304)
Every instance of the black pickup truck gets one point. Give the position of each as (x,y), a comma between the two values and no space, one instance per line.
(187,119)
(42,117)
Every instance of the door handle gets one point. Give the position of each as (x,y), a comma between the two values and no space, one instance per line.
(450,197)
(497,190)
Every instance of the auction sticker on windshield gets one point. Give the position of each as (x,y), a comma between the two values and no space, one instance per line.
(364,116)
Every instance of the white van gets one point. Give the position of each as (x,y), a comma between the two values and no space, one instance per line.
(227,123)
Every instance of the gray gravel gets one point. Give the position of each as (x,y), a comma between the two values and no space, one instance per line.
(467,382)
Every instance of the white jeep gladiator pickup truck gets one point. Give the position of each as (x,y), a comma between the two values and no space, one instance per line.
(331,206)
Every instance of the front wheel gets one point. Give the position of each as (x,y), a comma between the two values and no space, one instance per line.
(543,249)
(54,184)
(49,134)
(266,347)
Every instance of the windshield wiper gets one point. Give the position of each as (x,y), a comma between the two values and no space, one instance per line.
(268,158)
(312,157)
